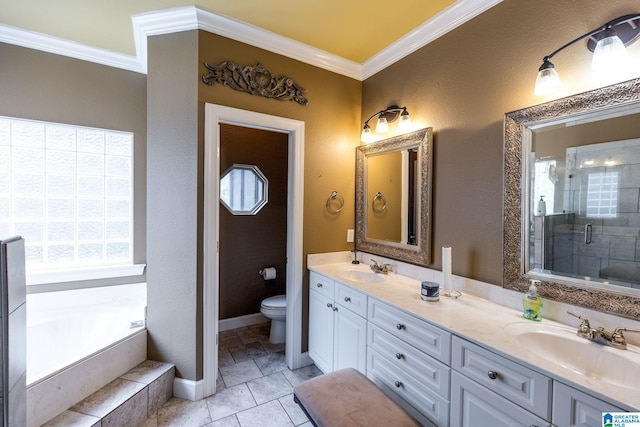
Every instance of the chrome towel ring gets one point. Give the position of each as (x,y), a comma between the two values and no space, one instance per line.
(379,203)
(335,196)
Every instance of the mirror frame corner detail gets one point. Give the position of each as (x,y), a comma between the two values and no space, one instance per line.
(516,127)
(419,254)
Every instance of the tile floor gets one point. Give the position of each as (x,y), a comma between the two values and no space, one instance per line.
(255,387)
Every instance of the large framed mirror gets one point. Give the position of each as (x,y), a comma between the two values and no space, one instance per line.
(393,197)
(572,199)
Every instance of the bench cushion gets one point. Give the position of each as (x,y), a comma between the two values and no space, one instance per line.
(348,398)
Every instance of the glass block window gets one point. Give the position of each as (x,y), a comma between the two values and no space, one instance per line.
(68,191)
(602,195)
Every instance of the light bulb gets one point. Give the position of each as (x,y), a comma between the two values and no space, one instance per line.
(548,80)
(609,54)
(382,126)
(405,122)
(367,135)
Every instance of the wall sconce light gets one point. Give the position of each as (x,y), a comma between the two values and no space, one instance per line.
(386,116)
(607,44)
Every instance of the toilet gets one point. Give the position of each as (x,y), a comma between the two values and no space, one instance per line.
(275,308)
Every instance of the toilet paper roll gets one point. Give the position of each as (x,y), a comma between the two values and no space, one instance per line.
(268,273)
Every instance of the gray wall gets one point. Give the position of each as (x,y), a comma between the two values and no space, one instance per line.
(174,165)
(41,86)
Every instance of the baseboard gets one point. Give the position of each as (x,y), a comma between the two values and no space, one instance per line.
(241,321)
(188,389)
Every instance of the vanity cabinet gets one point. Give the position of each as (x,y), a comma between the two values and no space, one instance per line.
(409,357)
(337,325)
(474,405)
(573,408)
(490,388)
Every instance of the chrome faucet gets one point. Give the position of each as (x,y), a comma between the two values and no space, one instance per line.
(380,268)
(615,339)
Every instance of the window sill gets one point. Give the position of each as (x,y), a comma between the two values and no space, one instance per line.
(76,275)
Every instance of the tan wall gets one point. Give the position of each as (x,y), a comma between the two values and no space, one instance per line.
(384,175)
(332,131)
(461,85)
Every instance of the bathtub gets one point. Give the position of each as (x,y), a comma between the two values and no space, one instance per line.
(78,341)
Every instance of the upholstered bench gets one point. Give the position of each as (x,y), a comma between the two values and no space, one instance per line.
(346,398)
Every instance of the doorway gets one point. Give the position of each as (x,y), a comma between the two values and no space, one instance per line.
(253,230)
(215,115)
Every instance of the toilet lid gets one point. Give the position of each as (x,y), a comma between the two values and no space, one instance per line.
(279,301)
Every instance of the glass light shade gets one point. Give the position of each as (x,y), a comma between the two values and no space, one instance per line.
(382,126)
(405,122)
(367,135)
(548,81)
(609,54)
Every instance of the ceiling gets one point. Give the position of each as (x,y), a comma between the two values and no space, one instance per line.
(351,30)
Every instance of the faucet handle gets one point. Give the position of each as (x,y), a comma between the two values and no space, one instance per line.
(584,330)
(617,337)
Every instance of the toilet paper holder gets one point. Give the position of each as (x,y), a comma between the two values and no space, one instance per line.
(267,273)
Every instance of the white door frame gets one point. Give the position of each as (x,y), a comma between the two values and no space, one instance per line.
(214,116)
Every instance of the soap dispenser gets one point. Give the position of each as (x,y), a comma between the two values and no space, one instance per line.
(541,209)
(532,303)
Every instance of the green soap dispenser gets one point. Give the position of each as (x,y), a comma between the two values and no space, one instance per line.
(532,303)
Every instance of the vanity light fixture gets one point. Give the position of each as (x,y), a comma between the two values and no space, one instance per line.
(386,116)
(607,43)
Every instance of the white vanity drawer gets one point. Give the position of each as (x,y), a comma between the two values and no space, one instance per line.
(425,369)
(321,284)
(529,389)
(351,299)
(422,335)
(408,387)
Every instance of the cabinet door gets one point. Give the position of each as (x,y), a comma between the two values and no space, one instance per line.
(472,405)
(573,408)
(321,331)
(350,340)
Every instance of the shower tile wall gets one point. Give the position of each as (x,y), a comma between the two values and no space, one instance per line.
(614,251)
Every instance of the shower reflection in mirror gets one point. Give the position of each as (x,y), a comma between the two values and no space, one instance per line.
(585,210)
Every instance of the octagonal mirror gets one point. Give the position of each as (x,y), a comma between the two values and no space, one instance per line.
(244,189)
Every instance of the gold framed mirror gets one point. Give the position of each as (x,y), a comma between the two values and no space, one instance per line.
(393,197)
(523,260)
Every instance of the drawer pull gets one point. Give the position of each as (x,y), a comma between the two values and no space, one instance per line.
(319,285)
(329,305)
(492,375)
(398,384)
(399,356)
(347,299)
(400,326)
(335,308)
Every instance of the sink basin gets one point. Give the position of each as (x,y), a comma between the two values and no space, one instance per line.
(563,347)
(363,276)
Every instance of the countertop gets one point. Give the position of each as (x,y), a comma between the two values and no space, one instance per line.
(486,323)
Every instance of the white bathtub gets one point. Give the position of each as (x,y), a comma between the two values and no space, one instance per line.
(78,341)
(67,326)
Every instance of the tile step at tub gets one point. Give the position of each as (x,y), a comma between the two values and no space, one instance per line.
(128,400)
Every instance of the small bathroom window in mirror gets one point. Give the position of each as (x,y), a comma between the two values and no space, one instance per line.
(244,189)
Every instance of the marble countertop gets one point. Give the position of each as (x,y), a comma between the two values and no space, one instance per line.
(486,323)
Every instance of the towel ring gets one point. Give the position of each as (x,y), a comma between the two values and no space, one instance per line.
(335,196)
(381,203)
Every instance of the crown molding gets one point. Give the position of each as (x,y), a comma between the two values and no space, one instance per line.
(193,18)
(57,46)
(447,20)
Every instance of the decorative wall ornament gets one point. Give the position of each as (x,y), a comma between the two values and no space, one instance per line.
(255,80)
